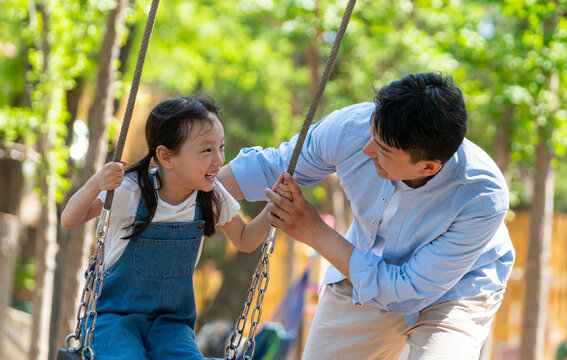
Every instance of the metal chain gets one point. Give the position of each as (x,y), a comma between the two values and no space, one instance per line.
(96,271)
(258,287)
(91,293)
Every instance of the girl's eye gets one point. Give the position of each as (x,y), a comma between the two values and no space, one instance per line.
(207,150)
(222,147)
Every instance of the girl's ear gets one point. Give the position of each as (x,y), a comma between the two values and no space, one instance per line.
(164,156)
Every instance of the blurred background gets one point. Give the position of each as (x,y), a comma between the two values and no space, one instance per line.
(66,67)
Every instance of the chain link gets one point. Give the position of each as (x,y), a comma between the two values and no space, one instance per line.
(259,284)
(89,297)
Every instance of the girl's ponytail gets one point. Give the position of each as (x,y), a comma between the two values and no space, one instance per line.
(142,169)
(210,209)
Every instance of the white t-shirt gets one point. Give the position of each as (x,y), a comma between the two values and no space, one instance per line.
(125,204)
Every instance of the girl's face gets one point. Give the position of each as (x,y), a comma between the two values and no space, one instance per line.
(199,159)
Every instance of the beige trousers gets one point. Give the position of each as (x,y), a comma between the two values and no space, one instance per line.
(447,331)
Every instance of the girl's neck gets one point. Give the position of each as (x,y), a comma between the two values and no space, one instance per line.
(168,194)
(171,198)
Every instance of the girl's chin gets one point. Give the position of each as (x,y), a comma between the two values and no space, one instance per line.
(207,187)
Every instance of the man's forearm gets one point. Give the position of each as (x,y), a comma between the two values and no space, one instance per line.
(335,248)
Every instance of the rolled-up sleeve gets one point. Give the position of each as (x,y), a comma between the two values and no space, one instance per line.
(250,175)
(256,168)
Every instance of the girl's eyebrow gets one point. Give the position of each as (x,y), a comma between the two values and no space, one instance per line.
(207,142)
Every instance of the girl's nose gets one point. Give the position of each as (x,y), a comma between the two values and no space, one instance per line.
(218,159)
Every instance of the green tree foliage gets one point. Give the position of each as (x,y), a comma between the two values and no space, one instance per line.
(43,57)
(257,58)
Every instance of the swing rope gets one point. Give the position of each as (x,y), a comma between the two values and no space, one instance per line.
(133,92)
(261,277)
(95,274)
(321,86)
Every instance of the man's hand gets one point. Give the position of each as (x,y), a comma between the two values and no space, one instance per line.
(290,212)
(300,220)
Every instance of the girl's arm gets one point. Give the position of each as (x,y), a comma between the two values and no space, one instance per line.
(84,204)
(247,237)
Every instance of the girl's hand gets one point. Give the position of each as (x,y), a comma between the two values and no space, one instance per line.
(281,187)
(110,176)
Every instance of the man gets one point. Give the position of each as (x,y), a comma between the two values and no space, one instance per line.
(427,257)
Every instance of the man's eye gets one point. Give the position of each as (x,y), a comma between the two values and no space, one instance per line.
(222,147)
(207,150)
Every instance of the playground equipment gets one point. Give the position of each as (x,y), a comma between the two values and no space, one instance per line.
(87,315)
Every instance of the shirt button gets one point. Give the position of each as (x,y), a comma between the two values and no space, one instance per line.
(373,222)
(383,199)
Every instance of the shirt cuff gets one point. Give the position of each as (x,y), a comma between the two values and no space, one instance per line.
(363,267)
(249,175)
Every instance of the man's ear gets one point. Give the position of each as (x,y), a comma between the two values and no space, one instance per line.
(431,167)
(164,156)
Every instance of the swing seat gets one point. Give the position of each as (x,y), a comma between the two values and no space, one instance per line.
(64,354)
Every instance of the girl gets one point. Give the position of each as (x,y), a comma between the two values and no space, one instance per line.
(147,308)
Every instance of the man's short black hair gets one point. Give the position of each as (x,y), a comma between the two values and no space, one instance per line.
(422,114)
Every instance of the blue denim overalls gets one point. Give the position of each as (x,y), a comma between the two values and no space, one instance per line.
(147,306)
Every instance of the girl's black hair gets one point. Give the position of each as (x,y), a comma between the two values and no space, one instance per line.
(169,124)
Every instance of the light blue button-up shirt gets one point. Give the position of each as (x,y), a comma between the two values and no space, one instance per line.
(447,239)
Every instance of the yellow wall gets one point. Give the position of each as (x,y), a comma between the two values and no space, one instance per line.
(508,322)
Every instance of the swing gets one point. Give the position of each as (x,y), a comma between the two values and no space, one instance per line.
(259,283)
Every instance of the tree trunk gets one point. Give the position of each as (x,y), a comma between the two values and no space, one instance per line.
(73,98)
(8,252)
(46,251)
(502,159)
(125,51)
(11,181)
(46,245)
(537,272)
(80,239)
(502,143)
(228,303)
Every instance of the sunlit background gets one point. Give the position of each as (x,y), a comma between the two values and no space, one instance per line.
(62,101)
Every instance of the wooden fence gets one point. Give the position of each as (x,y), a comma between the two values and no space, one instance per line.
(508,322)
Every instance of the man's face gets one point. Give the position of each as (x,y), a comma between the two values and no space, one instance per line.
(395,164)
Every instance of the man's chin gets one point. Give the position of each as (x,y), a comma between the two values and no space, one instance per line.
(382,174)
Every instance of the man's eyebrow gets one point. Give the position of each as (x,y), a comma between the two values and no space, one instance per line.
(382,146)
